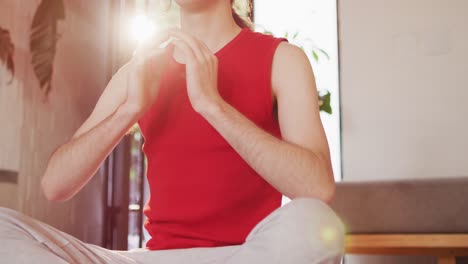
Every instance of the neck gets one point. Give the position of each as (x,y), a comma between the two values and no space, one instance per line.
(214,25)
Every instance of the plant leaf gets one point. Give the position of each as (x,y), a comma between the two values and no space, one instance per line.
(296,35)
(325,53)
(316,57)
(43,40)
(6,51)
(324,103)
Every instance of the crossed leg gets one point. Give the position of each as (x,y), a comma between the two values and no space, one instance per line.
(303,231)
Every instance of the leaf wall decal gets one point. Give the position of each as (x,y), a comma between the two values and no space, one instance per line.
(7,50)
(43,40)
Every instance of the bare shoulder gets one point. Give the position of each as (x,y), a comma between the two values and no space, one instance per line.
(289,63)
(287,52)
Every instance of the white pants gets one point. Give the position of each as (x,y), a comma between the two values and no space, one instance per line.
(302,231)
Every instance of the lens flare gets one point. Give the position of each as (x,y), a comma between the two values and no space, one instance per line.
(328,234)
(142,28)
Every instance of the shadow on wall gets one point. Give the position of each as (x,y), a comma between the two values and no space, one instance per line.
(44,105)
(43,41)
(9,140)
(6,56)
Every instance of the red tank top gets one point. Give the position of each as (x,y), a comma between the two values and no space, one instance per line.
(202,193)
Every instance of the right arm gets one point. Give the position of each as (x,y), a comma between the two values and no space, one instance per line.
(119,107)
(73,164)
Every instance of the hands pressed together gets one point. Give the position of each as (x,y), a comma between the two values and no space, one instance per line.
(146,67)
(201,70)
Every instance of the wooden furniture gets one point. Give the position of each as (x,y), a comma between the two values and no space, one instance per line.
(446,247)
(425,217)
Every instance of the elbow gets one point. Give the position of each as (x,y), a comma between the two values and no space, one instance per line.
(325,192)
(50,185)
(323,187)
(328,193)
(328,188)
(53,194)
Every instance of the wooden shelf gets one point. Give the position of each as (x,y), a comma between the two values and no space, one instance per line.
(444,246)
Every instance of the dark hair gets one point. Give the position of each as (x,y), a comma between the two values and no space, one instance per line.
(242,21)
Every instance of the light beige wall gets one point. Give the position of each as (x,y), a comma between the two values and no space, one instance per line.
(404,91)
(11,107)
(35,128)
(10,120)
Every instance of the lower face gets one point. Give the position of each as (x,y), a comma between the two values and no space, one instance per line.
(197,4)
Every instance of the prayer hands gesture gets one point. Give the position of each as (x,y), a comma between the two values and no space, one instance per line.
(201,71)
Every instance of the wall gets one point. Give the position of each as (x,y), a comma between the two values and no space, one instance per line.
(11,121)
(33,128)
(403,92)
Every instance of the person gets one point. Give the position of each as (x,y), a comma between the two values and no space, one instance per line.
(230,119)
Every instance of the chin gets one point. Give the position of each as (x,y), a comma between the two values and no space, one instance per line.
(196,4)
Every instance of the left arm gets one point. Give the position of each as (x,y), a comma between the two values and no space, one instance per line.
(297,166)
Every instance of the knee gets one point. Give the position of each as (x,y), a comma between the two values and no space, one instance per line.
(6,213)
(14,226)
(8,219)
(313,225)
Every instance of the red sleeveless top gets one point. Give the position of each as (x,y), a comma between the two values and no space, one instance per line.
(202,193)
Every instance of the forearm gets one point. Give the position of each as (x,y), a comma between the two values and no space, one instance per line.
(293,170)
(73,164)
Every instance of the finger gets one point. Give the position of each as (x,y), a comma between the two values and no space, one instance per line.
(208,54)
(192,42)
(204,55)
(210,58)
(186,50)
